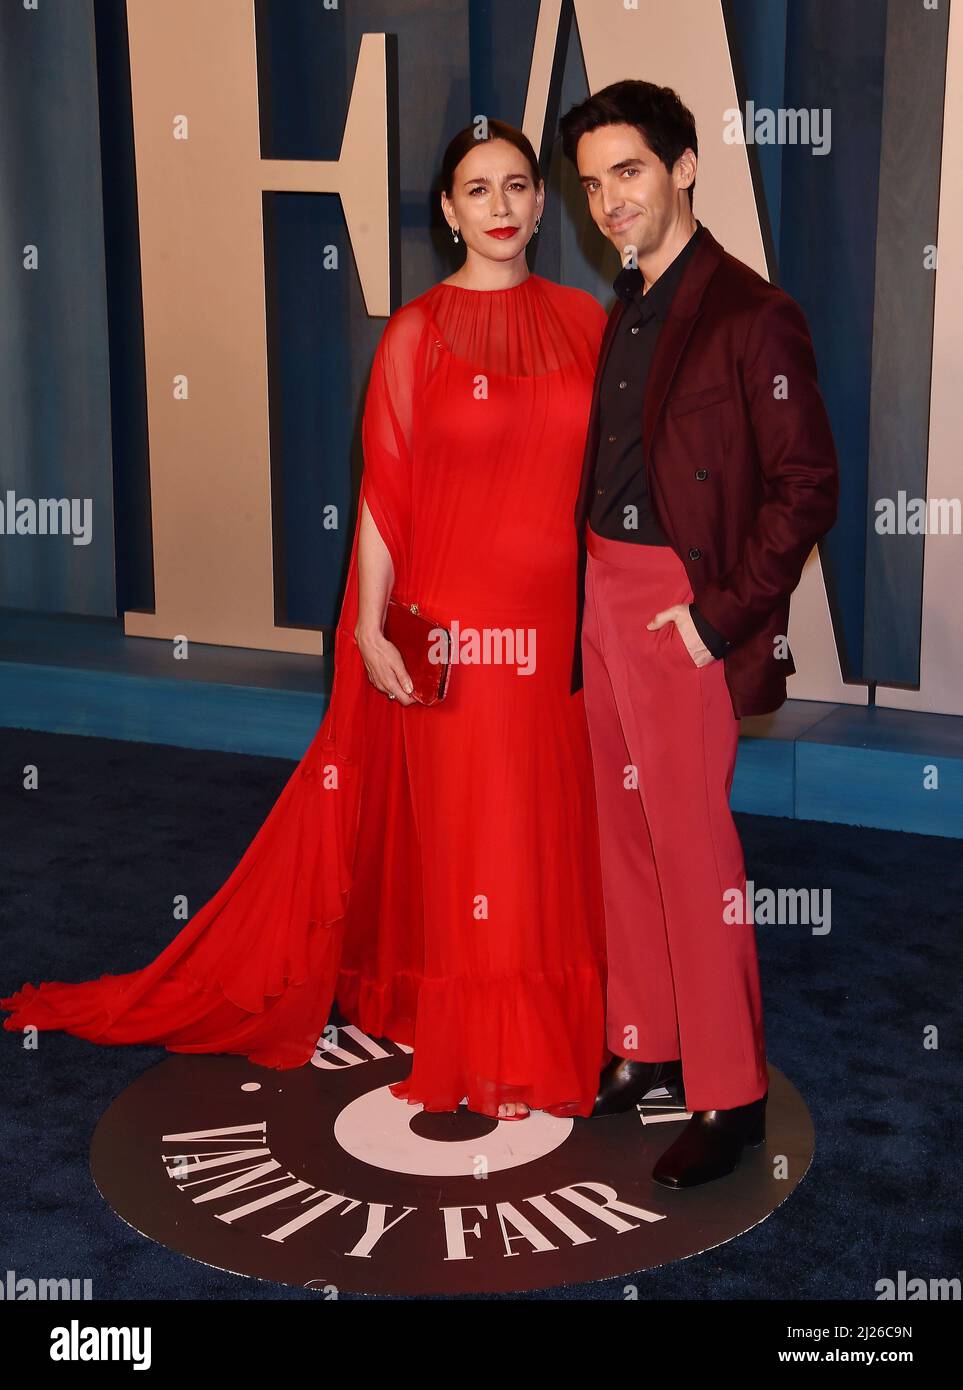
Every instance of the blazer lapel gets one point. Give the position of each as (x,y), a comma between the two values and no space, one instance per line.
(685,308)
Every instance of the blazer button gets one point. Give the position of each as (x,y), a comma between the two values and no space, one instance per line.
(695,553)
(702,474)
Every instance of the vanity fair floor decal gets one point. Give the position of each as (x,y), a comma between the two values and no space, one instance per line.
(320,1177)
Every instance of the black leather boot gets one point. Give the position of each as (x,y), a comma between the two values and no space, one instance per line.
(711,1145)
(623,1083)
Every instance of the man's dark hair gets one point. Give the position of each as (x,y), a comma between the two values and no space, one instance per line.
(666,125)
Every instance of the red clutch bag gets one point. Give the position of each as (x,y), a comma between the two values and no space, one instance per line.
(417,638)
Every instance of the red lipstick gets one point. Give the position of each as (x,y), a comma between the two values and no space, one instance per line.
(503,233)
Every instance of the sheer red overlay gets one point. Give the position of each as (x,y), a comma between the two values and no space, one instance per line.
(433,869)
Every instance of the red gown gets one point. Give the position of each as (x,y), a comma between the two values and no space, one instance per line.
(435,870)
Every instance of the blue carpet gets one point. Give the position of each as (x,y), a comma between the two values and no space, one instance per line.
(92,859)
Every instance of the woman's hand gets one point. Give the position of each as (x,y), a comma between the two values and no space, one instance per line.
(384,664)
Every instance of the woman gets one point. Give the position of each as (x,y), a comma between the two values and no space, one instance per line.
(433,868)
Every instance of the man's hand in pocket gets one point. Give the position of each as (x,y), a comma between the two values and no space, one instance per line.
(680,615)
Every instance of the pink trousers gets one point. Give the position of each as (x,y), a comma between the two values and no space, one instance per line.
(683,976)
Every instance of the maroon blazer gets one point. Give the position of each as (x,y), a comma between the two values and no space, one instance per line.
(739,459)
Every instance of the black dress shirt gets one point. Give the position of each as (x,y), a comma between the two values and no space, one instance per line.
(621,509)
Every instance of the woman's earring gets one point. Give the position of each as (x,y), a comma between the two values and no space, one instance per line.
(537,221)
(454,232)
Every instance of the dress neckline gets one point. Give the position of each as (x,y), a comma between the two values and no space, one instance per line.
(467,289)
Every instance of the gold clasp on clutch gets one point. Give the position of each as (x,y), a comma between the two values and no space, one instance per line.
(414,608)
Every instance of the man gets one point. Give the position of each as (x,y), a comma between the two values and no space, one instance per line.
(709,475)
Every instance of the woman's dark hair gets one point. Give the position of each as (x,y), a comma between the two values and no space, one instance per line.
(658,114)
(468,138)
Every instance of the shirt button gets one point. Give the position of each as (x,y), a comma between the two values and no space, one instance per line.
(702,474)
(634,330)
(695,553)
(600,491)
(622,385)
(611,438)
